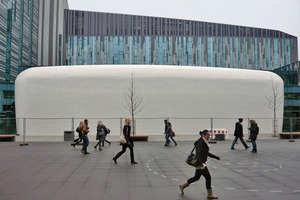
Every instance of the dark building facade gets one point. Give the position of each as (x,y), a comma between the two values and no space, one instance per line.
(105,38)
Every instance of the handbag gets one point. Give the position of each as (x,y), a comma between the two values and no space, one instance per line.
(122,139)
(173,134)
(191,159)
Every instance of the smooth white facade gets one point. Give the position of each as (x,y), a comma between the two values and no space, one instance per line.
(189,96)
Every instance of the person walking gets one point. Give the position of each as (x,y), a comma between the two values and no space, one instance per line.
(169,135)
(167,142)
(238,134)
(100,134)
(85,131)
(202,151)
(254,130)
(129,143)
(79,131)
(107,131)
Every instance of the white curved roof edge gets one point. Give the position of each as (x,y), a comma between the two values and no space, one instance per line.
(146,70)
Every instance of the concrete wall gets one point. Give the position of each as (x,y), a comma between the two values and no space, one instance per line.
(188,95)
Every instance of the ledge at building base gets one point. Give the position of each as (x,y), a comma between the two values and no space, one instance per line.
(289,135)
(7,138)
(143,138)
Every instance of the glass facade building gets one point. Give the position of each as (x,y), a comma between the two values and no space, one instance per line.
(291,77)
(104,38)
(18,43)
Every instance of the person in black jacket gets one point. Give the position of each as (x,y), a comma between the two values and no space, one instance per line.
(79,131)
(128,144)
(202,151)
(238,134)
(254,130)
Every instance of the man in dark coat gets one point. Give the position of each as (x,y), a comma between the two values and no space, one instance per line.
(238,134)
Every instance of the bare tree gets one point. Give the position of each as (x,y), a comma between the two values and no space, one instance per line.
(134,101)
(273,102)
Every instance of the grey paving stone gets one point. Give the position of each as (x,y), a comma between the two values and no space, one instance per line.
(55,170)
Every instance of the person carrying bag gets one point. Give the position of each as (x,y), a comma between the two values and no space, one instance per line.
(199,162)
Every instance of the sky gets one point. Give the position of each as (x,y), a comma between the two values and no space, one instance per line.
(282,15)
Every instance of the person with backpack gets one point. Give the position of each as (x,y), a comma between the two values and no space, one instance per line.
(254,130)
(79,131)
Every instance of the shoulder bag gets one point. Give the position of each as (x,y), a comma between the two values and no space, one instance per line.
(191,158)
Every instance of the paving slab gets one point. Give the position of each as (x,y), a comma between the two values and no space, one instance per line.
(57,171)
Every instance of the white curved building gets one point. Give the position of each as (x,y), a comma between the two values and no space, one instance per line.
(48,97)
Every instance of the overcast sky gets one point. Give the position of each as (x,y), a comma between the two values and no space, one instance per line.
(283,15)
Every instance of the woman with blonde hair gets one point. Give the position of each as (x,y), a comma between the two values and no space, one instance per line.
(128,144)
(100,134)
(79,131)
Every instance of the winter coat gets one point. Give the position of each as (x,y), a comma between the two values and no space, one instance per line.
(202,151)
(254,130)
(238,131)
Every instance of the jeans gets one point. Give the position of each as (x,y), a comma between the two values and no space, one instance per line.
(254,144)
(167,136)
(86,143)
(197,176)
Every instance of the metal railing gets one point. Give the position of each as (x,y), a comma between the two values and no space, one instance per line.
(144,126)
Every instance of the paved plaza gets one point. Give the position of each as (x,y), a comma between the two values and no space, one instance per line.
(54,170)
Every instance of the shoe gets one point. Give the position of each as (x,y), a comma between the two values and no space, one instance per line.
(247,147)
(253,151)
(100,149)
(232,148)
(115,160)
(86,152)
(73,145)
(109,143)
(134,163)
(95,147)
(175,144)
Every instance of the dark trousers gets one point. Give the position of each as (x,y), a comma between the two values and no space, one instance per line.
(105,140)
(101,139)
(168,137)
(85,144)
(77,141)
(124,147)
(242,140)
(198,174)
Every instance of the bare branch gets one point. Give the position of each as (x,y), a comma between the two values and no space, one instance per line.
(273,102)
(133,100)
